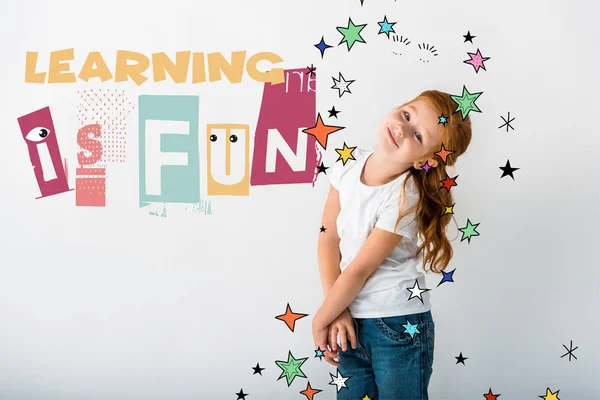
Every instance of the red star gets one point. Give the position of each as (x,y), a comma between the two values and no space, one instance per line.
(310,392)
(443,153)
(322,131)
(490,396)
(290,317)
(449,182)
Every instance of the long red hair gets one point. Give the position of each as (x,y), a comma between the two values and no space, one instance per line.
(431,208)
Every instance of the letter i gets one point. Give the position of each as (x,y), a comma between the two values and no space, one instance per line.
(39,134)
(90,182)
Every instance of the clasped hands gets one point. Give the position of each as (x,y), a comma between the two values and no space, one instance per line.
(327,336)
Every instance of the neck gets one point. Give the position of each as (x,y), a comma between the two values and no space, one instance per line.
(380,170)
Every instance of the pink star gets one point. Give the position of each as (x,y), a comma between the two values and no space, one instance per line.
(426,166)
(476,60)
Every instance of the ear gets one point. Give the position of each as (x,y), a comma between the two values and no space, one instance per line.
(431,161)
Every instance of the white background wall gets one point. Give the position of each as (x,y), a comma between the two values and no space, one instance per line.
(113,303)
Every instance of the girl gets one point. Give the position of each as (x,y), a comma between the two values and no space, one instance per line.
(385,209)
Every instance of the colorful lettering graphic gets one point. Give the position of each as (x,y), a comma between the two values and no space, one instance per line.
(39,134)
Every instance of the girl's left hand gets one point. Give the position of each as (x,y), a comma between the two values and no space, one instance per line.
(321,337)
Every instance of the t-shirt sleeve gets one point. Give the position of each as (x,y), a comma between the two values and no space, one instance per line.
(408,225)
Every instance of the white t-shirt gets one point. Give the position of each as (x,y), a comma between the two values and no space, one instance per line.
(385,293)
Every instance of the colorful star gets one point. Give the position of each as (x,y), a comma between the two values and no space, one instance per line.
(449,209)
(549,395)
(477,61)
(321,131)
(351,34)
(322,46)
(319,353)
(309,392)
(411,329)
(490,396)
(386,27)
(426,166)
(341,85)
(466,102)
(447,276)
(345,153)
(469,231)
(290,317)
(291,368)
(443,153)
(449,182)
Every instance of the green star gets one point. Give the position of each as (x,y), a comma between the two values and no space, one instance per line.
(469,231)
(351,34)
(411,329)
(466,102)
(291,368)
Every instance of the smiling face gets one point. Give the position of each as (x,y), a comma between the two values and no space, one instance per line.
(411,134)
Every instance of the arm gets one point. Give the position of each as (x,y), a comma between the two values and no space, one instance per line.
(328,246)
(376,248)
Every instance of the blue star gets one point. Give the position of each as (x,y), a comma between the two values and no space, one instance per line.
(322,46)
(447,276)
(386,27)
(411,329)
(443,120)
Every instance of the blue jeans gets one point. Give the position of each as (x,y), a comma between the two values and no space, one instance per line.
(388,364)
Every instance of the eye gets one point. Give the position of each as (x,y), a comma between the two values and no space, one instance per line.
(37,134)
(213,138)
(233,138)
(416,133)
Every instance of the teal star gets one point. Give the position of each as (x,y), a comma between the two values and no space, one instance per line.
(351,34)
(291,368)
(469,231)
(386,27)
(466,102)
(411,329)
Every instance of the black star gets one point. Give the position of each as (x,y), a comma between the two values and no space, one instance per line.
(507,123)
(242,395)
(468,37)
(257,370)
(323,229)
(311,70)
(570,351)
(508,170)
(461,359)
(333,112)
(322,168)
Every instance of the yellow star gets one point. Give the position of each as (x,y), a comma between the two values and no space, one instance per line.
(366,397)
(549,395)
(345,153)
(449,210)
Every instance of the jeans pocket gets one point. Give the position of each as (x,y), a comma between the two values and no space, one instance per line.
(399,329)
(430,332)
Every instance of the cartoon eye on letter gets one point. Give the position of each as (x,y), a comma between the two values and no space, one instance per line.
(37,134)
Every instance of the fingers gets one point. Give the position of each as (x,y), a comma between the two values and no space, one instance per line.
(352,336)
(329,358)
(343,341)
(333,337)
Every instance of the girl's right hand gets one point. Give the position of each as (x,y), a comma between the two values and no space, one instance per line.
(345,326)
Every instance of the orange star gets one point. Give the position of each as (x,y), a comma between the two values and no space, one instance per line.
(322,131)
(443,153)
(490,396)
(290,317)
(449,182)
(309,392)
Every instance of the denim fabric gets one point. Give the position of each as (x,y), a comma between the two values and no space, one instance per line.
(388,364)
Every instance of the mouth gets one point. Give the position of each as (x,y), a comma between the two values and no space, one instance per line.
(391,137)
